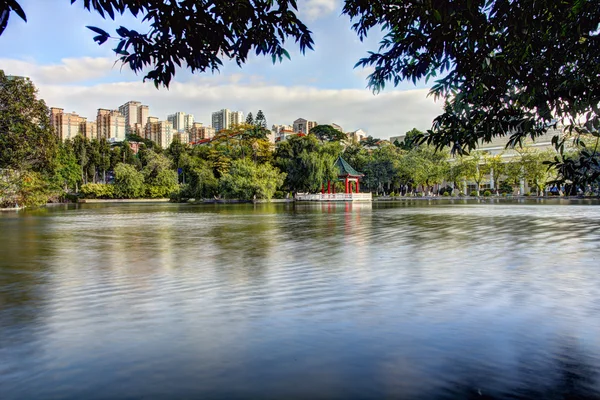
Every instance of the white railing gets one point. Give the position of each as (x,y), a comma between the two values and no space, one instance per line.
(335,197)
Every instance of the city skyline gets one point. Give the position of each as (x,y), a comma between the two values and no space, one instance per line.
(72,72)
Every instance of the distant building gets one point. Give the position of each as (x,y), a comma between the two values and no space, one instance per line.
(337,127)
(357,135)
(199,132)
(181,121)
(136,116)
(279,128)
(160,132)
(66,125)
(303,126)
(111,125)
(89,130)
(182,137)
(225,119)
(285,134)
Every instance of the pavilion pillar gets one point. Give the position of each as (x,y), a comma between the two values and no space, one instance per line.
(328,187)
(347,185)
(357,189)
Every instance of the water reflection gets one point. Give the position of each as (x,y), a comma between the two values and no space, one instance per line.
(412,300)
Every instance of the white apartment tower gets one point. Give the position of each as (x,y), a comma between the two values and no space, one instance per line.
(225,119)
(181,121)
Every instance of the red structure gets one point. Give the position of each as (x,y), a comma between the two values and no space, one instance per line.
(348,175)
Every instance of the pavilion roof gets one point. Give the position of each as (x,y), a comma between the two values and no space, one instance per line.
(344,168)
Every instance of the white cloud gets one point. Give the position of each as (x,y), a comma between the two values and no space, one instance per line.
(69,70)
(315,9)
(382,115)
(387,114)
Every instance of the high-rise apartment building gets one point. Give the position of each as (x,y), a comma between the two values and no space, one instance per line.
(160,132)
(136,116)
(147,128)
(181,121)
(303,126)
(225,119)
(181,137)
(188,121)
(89,130)
(111,125)
(65,125)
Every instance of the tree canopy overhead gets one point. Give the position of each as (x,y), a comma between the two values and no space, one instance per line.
(503,67)
(197,34)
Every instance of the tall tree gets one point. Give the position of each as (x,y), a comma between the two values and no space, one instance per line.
(67,171)
(327,133)
(261,120)
(411,139)
(246,180)
(307,163)
(370,141)
(250,119)
(26,139)
(104,159)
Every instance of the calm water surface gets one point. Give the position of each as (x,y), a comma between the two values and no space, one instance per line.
(411,301)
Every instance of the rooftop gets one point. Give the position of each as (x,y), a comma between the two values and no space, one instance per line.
(344,168)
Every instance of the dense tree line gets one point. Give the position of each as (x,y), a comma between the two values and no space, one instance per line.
(239,163)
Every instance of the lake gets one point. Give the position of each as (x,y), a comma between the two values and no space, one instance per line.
(415,300)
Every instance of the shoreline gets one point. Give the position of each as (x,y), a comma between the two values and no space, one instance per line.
(91,201)
(405,198)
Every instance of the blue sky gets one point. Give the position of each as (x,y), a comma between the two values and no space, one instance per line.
(71,71)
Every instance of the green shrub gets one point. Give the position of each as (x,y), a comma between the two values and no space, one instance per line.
(392,194)
(97,191)
(279,194)
(473,193)
(445,189)
(129,183)
(420,194)
(505,187)
(487,193)
(246,180)
(69,197)
(446,194)
(527,194)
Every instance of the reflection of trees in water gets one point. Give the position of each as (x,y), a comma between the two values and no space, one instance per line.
(565,374)
(22,282)
(244,244)
(570,374)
